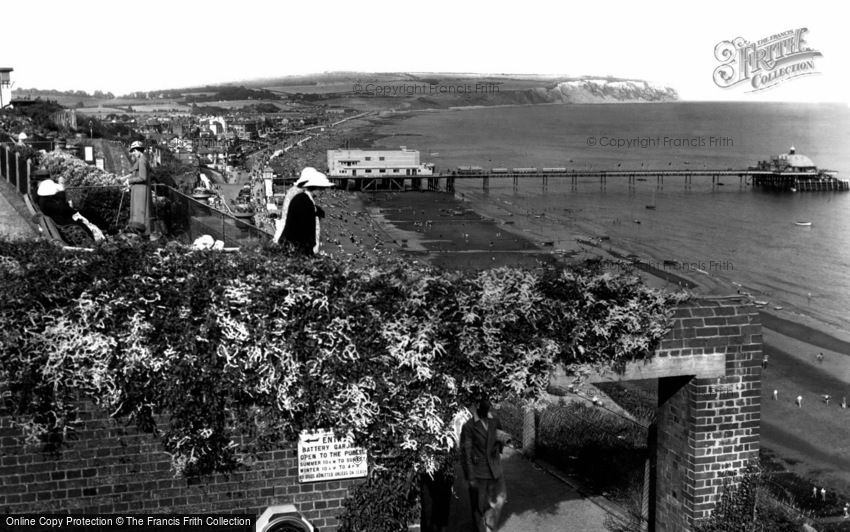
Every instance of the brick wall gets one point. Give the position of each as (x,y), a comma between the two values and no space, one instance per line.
(111,468)
(707,428)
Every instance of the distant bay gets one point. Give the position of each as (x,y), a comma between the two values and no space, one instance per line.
(732,232)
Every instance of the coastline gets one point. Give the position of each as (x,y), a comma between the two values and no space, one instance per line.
(473,230)
(463,235)
(587,238)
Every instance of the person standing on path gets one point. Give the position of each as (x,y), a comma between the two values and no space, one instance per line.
(299,219)
(482,442)
(141,206)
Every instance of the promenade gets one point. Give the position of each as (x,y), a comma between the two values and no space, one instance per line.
(537,500)
(13,224)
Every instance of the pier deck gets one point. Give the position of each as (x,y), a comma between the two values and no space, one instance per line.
(820,180)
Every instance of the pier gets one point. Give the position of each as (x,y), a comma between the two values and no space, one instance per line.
(804,181)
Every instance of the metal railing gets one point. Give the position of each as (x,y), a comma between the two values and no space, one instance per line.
(15,169)
(203,219)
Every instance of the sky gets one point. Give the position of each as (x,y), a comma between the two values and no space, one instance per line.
(122,47)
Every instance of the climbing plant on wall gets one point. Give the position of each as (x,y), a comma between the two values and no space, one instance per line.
(206,347)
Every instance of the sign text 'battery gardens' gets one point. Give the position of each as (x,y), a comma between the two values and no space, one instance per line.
(322,456)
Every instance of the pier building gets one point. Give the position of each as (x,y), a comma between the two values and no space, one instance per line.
(372,169)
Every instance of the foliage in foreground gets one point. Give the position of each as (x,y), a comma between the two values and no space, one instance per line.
(746,505)
(205,348)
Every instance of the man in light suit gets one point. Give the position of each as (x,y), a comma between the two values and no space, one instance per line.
(482,442)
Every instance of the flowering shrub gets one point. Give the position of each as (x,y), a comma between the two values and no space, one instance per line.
(264,344)
(75,171)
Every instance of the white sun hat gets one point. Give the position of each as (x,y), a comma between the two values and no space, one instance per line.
(310,177)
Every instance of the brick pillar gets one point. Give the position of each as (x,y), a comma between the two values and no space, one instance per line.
(707,428)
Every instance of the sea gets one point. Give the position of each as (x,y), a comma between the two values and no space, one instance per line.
(745,239)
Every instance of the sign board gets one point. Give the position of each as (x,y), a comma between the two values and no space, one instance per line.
(321,456)
(88,154)
(99,163)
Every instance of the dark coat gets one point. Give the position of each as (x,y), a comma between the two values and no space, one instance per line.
(481,449)
(300,228)
(56,206)
(141,207)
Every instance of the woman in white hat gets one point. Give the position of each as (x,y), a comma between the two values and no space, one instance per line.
(141,206)
(299,221)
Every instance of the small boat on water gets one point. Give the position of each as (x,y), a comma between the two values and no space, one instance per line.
(760,303)
(636,221)
(651,207)
(803,224)
(777,308)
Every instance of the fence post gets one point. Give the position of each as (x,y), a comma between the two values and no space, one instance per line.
(6,163)
(17,170)
(29,169)
(529,430)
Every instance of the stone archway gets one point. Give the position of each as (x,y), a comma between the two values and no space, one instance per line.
(709,406)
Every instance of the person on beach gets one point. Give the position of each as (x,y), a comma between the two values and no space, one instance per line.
(799,401)
(815,492)
(141,206)
(844,401)
(823,494)
(482,442)
(775,395)
(826,398)
(820,357)
(299,221)
(764,361)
